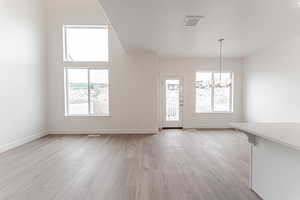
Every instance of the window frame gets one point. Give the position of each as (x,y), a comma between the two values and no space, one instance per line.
(66,93)
(65,27)
(231,108)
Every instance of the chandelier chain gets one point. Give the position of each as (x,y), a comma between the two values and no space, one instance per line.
(221,58)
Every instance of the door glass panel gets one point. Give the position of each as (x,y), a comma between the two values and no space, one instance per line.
(172,100)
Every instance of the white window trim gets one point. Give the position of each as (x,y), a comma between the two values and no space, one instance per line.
(65,27)
(66,96)
(212,94)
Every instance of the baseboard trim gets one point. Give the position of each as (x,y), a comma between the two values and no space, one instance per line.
(212,126)
(19,142)
(215,129)
(103,131)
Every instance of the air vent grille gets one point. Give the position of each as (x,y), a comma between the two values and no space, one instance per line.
(192,21)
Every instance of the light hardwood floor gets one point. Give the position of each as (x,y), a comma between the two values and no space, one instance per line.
(174,165)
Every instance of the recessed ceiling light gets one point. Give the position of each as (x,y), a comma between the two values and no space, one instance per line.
(298,3)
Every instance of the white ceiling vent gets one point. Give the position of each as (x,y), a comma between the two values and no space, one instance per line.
(192,21)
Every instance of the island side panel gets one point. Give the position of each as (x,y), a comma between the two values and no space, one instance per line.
(275,171)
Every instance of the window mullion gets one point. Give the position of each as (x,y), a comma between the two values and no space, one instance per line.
(212,92)
(89,93)
(65,44)
(67,91)
(231,93)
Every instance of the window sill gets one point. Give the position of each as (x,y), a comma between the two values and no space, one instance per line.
(80,63)
(215,112)
(86,116)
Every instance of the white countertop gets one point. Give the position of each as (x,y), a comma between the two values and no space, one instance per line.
(287,134)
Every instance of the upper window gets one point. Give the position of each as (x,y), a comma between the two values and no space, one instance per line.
(85,43)
(86,92)
(214,93)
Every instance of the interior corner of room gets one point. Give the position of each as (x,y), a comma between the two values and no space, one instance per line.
(200,98)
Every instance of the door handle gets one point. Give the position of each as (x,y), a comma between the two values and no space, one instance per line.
(181,103)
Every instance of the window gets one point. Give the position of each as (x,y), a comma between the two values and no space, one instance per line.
(86,89)
(87,92)
(212,93)
(85,43)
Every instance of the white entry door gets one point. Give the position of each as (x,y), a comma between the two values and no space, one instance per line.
(172,101)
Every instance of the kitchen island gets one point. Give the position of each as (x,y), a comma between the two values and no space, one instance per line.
(275,159)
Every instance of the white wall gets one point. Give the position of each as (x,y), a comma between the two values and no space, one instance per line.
(188,68)
(272,79)
(132,77)
(21,72)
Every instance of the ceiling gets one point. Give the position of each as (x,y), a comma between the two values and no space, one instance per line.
(246,25)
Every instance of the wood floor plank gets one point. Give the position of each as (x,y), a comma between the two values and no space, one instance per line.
(173,165)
